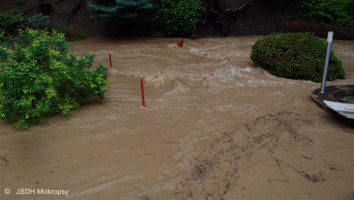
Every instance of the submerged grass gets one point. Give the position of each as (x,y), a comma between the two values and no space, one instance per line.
(145,197)
(347,99)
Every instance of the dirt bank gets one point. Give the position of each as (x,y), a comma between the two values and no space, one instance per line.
(215,127)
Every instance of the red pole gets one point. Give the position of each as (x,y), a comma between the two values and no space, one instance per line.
(110,60)
(180,43)
(142,92)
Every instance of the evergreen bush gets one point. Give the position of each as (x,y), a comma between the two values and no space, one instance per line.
(40,77)
(295,56)
(39,21)
(139,13)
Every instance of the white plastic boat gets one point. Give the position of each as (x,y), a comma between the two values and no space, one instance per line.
(344,109)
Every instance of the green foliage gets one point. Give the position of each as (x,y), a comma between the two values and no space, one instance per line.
(39,21)
(2,37)
(146,198)
(62,29)
(139,12)
(19,2)
(166,17)
(296,56)
(39,77)
(179,16)
(348,99)
(66,30)
(12,20)
(340,12)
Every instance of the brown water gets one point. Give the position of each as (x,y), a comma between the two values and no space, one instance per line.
(215,127)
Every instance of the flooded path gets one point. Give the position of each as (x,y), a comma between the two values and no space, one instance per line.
(215,127)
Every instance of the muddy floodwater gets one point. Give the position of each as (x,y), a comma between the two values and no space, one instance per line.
(215,126)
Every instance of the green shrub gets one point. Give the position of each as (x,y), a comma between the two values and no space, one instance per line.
(178,17)
(340,12)
(62,29)
(39,77)
(39,21)
(296,56)
(12,20)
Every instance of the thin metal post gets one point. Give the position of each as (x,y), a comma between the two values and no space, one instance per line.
(325,70)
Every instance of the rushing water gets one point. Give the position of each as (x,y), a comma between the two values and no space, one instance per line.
(215,127)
